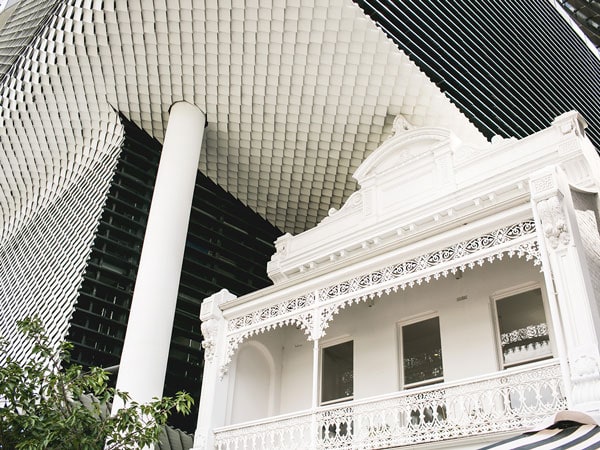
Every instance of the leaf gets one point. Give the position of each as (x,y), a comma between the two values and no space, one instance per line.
(49,403)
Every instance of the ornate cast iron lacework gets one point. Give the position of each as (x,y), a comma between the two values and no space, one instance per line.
(523,334)
(313,311)
(506,401)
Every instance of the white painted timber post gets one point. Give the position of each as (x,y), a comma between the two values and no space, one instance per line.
(557,225)
(316,333)
(315,375)
(315,395)
(213,399)
(145,351)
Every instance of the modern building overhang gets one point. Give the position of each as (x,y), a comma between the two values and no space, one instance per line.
(295,97)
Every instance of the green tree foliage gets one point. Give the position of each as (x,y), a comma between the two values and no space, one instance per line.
(48,403)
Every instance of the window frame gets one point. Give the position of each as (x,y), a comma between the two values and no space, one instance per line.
(509,292)
(322,346)
(411,321)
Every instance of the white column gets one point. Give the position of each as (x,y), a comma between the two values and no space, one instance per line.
(577,307)
(213,400)
(145,350)
(316,333)
(315,393)
(315,375)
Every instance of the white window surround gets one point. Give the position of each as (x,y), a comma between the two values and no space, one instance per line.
(411,321)
(322,346)
(509,292)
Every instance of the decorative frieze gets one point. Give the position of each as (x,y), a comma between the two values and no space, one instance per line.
(543,184)
(278,310)
(313,311)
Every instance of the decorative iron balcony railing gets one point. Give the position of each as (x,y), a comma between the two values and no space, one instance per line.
(510,400)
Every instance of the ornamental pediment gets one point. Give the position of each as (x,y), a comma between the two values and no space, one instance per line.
(409,169)
(422,182)
(403,150)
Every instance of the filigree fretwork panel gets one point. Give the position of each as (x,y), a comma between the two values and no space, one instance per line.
(313,311)
(507,401)
(293,434)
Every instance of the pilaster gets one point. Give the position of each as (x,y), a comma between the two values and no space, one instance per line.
(577,307)
(213,399)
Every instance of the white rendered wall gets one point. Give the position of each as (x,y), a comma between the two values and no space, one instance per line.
(255,384)
(253,390)
(296,370)
(469,344)
(467,327)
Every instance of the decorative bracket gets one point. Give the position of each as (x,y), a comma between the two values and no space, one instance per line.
(212,321)
(548,199)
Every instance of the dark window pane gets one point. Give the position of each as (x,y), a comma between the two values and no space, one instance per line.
(337,374)
(523,329)
(422,351)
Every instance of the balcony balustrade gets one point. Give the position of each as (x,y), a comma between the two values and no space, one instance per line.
(511,400)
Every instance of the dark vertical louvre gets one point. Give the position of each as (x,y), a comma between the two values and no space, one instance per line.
(228,246)
(511,67)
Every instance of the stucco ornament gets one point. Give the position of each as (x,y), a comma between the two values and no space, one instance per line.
(353,204)
(585,373)
(209,329)
(401,124)
(554,223)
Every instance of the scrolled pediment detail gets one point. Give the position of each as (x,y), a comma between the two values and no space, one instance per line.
(354,205)
(403,147)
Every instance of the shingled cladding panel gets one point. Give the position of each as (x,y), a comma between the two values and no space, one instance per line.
(227,245)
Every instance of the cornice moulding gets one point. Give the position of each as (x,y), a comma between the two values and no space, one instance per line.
(351,248)
(272,295)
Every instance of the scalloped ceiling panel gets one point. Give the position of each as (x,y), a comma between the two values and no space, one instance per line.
(297,94)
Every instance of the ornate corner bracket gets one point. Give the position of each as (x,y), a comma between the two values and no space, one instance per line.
(569,122)
(548,200)
(554,223)
(585,379)
(210,330)
(400,125)
(213,322)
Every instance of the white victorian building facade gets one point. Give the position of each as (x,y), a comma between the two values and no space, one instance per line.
(451,301)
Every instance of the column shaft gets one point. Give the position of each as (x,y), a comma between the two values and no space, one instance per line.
(145,350)
(315,375)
